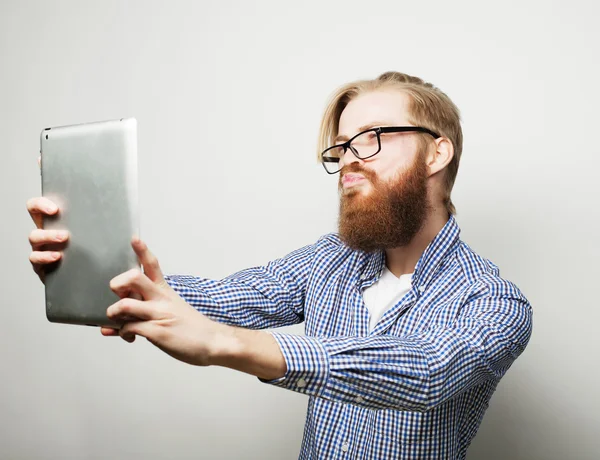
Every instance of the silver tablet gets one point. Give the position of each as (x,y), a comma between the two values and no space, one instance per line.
(90,172)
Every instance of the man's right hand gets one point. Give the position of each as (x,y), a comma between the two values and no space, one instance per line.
(46,245)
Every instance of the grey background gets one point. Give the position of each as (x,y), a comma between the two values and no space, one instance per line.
(228,97)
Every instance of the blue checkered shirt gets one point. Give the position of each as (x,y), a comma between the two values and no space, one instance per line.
(418,384)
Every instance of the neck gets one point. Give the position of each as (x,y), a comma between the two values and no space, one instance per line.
(402,260)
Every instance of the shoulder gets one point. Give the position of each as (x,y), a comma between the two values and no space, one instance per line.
(332,243)
(483,276)
(330,247)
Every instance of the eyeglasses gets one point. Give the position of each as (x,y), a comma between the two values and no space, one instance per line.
(364,145)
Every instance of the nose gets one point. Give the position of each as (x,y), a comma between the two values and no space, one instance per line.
(349,158)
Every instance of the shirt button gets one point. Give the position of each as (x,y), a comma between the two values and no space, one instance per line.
(363,276)
(301,383)
(421,289)
(359,399)
(345,447)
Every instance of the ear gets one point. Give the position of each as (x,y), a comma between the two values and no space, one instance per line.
(439,158)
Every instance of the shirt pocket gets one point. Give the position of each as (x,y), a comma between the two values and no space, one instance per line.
(399,427)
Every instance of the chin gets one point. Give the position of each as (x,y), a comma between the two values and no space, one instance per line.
(356,190)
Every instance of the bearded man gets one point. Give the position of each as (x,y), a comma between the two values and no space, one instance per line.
(408,330)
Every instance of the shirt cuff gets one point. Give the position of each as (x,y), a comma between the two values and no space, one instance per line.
(307,364)
(192,291)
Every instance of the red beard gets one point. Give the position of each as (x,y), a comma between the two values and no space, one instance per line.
(390,215)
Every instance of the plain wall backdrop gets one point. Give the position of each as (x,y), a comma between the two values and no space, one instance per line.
(228,97)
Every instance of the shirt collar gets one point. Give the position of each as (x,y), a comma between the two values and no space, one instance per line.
(438,249)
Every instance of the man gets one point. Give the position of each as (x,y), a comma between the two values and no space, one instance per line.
(408,331)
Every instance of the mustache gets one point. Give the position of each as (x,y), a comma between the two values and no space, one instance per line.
(358,169)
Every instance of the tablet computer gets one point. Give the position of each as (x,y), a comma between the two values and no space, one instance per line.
(90,171)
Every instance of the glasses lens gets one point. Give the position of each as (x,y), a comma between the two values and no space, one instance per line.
(331,159)
(366,144)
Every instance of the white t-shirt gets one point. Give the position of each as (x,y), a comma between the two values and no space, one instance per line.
(384,294)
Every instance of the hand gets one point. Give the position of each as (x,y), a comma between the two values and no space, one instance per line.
(162,316)
(46,245)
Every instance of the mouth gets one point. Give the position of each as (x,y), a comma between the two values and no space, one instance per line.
(350,180)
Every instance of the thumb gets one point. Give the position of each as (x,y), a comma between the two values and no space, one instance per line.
(148,261)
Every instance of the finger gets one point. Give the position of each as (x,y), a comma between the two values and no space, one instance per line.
(39,237)
(148,261)
(44,257)
(127,293)
(40,206)
(133,281)
(145,329)
(127,336)
(132,309)
(109,332)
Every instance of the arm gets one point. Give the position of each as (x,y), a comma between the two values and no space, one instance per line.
(255,298)
(413,373)
(151,308)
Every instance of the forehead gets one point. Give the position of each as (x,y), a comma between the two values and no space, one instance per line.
(374,108)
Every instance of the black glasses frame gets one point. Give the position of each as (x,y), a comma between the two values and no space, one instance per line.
(378,131)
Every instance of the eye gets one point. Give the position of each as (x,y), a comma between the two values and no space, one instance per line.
(337,153)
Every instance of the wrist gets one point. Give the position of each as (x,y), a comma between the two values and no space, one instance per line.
(226,346)
(253,352)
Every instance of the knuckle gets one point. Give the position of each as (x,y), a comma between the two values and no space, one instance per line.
(124,306)
(41,258)
(37,236)
(136,274)
(114,283)
(35,204)
(127,330)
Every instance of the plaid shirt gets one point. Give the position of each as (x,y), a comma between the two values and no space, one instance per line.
(417,386)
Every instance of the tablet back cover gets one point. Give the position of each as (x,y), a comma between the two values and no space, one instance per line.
(90,172)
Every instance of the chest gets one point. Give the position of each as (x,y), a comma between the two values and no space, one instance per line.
(336,307)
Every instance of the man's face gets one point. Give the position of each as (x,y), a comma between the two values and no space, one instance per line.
(383,199)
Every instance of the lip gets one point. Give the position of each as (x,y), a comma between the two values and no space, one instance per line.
(352,179)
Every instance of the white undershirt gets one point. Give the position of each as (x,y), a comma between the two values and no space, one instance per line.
(384,294)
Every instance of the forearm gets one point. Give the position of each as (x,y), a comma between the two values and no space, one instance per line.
(253,352)
(413,373)
(256,298)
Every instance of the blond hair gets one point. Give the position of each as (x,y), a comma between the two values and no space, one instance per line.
(428,107)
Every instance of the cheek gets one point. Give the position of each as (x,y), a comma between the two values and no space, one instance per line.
(389,168)
(399,156)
